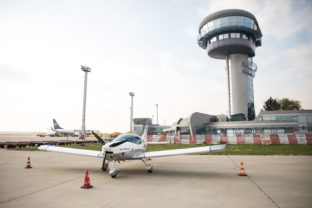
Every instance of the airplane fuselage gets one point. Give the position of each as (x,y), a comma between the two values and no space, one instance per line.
(125,147)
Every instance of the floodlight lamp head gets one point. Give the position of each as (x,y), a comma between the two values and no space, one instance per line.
(85,68)
(131,93)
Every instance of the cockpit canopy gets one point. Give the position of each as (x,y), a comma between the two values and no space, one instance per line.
(128,138)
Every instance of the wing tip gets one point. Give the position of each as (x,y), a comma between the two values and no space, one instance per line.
(44,147)
(217,147)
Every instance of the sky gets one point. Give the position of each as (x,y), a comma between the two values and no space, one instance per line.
(141,46)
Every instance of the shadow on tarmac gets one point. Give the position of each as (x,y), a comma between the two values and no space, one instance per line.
(142,173)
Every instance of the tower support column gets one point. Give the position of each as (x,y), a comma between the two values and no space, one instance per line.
(238,84)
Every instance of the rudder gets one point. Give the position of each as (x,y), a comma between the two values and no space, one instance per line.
(56,125)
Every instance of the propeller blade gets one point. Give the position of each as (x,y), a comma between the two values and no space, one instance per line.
(117,143)
(98,138)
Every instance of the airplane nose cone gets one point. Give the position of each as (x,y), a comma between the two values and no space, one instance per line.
(106,148)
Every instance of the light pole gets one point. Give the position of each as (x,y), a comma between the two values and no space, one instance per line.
(131,111)
(86,69)
(156,113)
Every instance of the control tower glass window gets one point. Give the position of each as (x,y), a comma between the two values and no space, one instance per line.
(228,21)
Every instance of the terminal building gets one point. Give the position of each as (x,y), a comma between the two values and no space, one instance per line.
(267,122)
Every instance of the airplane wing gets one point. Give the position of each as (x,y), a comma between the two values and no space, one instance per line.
(157,142)
(185,151)
(52,148)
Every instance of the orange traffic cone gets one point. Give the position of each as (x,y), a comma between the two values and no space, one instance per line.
(86,184)
(28,163)
(242,170)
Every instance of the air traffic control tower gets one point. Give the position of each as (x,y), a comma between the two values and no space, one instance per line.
(233,35)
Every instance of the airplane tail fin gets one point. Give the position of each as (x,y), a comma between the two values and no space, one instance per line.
(144,135)
(56,125)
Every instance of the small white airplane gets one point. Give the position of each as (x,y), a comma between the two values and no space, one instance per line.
(128,147)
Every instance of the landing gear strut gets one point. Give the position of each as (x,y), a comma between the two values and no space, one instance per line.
(104,164)
(148,166)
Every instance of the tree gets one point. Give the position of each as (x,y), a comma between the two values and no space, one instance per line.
(282,104)
(271,104)
(287,104)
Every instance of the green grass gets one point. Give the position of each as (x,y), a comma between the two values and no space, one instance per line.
(243,149)
(275,149)
(25,149)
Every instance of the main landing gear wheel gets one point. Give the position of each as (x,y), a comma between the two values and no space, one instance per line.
(148,166)
(113,172)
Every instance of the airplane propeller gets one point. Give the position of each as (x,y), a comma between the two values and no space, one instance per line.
(104,164)
(98,138)
(117,143)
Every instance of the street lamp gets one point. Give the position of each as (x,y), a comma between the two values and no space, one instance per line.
(131,111)
(86,69)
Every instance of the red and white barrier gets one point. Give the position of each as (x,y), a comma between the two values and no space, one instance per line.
(290,138)
(249,139)
(232,139)
(284,139)
(308,138)
(208,139)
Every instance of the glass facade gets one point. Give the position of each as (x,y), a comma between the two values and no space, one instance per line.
(230,89)
(250,92)
(228,21)
(238,131)
(230,35)
(279,118)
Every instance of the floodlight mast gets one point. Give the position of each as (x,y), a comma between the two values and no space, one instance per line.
(156,113)
(131,111)
(86,69)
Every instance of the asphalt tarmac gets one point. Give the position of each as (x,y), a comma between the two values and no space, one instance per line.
(179,181)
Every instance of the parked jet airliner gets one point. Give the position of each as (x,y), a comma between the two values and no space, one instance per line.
(128,147)
(59,130)
(68,132)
